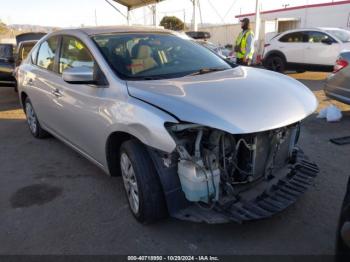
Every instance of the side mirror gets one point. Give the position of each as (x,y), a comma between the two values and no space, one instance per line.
(79,75)
(327,41)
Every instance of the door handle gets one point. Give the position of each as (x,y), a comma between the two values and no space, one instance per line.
(57,93)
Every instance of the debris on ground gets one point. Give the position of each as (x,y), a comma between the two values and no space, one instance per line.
(331,113)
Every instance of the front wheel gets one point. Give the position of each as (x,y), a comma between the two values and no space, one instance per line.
(276,63)
(141,183)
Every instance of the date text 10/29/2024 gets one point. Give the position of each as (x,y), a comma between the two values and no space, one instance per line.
(173,258)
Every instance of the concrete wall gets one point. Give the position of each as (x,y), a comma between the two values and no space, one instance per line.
(223,34)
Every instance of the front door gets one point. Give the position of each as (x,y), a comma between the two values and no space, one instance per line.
(321,49)
(79,122)
(293,46)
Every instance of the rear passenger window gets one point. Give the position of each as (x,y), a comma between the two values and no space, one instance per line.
(74,54)
(33,55)
(318,37)
(46,54)
(296,37)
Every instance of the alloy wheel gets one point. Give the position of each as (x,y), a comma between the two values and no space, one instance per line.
(31,118)
(130,183)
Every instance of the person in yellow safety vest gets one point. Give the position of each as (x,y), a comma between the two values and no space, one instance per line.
(244,47)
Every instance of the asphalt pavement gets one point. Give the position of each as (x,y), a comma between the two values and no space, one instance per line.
(53,201)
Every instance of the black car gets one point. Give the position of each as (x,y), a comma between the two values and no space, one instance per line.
(7,64)
(343,234)
(10,60)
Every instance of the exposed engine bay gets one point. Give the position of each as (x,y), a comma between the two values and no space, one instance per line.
(217,177)
(214,165)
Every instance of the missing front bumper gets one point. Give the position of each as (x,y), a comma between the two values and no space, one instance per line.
(261,202)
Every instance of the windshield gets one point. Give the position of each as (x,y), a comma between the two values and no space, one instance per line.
(342,35)
(155,56)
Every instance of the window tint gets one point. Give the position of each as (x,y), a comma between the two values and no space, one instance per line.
(46,55)
(317,37)
(296,37)
(74,54)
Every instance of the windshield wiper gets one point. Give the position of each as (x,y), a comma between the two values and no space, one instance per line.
(203,71)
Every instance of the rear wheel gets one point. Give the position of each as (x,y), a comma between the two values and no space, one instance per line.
(141,183)
(32,120)
(276,63)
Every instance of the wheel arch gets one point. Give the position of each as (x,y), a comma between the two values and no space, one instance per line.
(113,144)
(23,98)
(275,52)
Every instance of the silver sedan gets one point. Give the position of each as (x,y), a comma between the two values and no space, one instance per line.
(338,83)
(191,135)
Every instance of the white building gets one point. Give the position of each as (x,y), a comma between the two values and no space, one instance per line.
(332,14)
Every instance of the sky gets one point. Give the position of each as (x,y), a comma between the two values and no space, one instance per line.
(73,13)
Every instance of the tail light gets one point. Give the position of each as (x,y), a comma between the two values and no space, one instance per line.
(340,64)
(266,45)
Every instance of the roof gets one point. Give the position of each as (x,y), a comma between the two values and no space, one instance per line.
(117,29)
(133,4)
(297,7)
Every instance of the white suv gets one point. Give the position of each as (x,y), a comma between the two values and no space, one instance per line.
(305,49)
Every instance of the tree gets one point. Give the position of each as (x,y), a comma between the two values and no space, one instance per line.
(3,27)
(172,23)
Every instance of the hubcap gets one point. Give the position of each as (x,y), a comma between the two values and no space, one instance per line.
(130,183)
(31,118)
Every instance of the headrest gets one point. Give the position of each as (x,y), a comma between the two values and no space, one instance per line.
(144,52)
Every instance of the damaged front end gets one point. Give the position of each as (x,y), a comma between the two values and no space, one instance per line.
(217,177)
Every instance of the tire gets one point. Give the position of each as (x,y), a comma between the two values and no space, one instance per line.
(140,179)
(33,123)
(276,63)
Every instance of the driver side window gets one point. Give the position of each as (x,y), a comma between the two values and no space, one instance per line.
(74,54)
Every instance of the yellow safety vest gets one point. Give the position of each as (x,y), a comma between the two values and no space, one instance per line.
(241,42)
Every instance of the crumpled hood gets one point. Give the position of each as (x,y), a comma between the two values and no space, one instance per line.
(239,100)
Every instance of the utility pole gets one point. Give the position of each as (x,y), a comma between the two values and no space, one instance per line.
(95,17)
(257,19)
(184,19)
(257,26)
(154,14)
(194,17)
(200,12)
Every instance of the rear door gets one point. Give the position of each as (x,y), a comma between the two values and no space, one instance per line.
(319,52)
(40,81)
(292,45)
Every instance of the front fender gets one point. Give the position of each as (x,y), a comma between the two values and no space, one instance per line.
(143,121)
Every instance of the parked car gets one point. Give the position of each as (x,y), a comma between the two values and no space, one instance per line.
(338,83)
(6,64)
(191,135)
(25,43)
(221,51)
(198,35)
(343,231)
(305,49)
(22,52)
